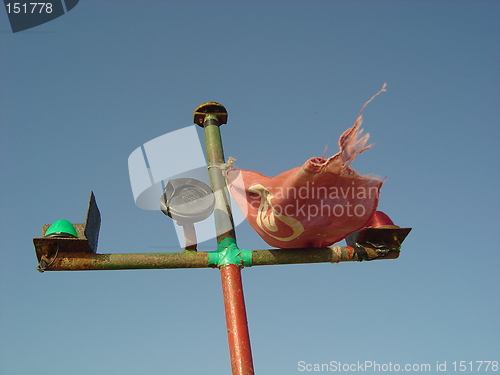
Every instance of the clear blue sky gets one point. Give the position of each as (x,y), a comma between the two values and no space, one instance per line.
(80,93)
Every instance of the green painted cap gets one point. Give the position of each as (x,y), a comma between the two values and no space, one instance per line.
(61,228)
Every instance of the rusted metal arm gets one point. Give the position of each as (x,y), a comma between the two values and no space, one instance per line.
(95,262)
(332,254)
(64,261)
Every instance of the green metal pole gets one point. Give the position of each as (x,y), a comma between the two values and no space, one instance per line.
(210,116)
(215,155)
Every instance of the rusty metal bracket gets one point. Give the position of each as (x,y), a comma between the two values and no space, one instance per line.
(43,265)
(49,248)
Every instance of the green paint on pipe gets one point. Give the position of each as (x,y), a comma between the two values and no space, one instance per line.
(228,253)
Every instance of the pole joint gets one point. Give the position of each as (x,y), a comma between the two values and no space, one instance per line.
(228,253)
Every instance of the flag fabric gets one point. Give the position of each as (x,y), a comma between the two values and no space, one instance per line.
(315,205)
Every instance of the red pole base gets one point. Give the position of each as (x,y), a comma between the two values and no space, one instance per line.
(236,320)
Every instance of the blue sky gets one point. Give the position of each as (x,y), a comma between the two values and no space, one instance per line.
(80,93)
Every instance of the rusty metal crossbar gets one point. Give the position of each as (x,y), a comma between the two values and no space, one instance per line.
(64,261)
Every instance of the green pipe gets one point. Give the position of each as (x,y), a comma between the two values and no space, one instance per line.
(332,254)
(200,259)
(215,155)
(95,262)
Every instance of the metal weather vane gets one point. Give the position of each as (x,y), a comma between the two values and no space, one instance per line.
(300,236)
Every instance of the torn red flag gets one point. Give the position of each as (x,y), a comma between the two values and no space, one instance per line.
(315,205)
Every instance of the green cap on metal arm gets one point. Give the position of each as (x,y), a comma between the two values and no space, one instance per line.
(61,228)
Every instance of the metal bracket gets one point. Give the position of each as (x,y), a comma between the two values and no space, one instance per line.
(48,248)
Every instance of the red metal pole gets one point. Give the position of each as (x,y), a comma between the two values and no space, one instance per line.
(236,320)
